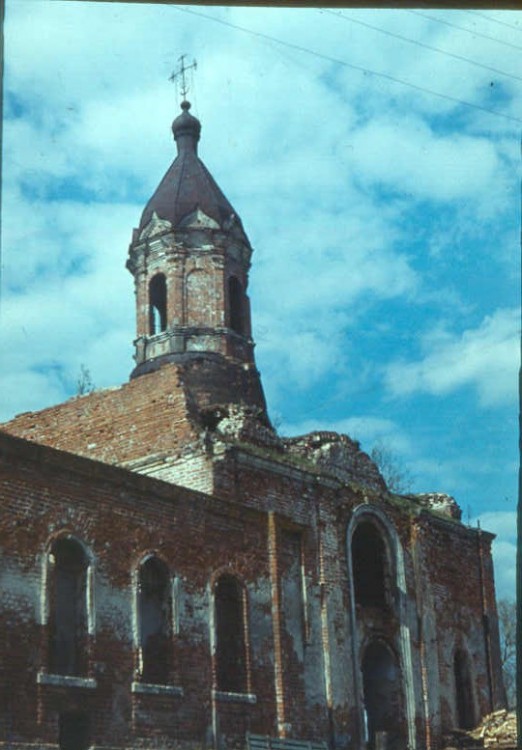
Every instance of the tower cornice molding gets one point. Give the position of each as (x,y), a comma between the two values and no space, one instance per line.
(174,246)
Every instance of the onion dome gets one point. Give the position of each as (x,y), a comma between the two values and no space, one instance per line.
(188,185)
(186,129)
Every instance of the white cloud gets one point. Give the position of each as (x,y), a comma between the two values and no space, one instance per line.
(407,156)
(485,357)
(313,276)
(504,525)
(303,357)
(313,282)
(64,239)
(501,522)
(23,390)
(368,430)
(70,301)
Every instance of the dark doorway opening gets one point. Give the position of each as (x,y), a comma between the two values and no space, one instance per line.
(74,731)
(463,691)
(382,697)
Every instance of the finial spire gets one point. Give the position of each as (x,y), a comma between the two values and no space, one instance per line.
(180,79)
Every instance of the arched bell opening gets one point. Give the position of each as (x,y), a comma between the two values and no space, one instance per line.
(157,304)
(236,305)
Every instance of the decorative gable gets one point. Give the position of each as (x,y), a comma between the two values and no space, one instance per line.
(198,219)
(155,226)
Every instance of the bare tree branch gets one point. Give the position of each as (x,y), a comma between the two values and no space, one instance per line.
(396,475)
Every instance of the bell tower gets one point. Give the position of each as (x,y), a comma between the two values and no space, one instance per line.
(190,258)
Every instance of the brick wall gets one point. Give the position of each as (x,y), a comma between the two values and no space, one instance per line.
(121,517)
(307,637)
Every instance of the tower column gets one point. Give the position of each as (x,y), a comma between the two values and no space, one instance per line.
(142,304)
(175,291)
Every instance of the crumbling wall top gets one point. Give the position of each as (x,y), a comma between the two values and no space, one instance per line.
(439,502)
(339,456)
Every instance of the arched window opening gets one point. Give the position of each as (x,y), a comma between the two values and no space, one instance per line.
(155,608)
(230,636)
(369,565)
(463,691)
(236,304)
(157,304)
(68,608)
(74,731)
(382,697)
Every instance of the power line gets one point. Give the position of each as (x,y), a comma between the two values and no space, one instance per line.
(420,44)
(337,61)
(463,28)
(493,20)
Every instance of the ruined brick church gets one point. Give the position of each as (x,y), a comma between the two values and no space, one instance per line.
(176,575)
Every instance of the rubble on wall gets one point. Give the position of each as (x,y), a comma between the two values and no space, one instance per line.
(240,423)
(439,502)
(497,730)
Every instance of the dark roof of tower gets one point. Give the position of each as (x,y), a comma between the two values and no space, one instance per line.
(188,185)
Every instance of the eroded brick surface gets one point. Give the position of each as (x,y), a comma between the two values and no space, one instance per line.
(282,530)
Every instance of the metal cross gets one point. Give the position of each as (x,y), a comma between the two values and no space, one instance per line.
(179,76)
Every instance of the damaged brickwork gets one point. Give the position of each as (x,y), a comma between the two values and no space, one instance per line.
(174,574)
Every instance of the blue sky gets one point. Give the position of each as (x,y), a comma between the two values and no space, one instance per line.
(385,219)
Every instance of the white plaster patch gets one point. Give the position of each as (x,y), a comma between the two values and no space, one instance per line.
(150,689)
(114,609)
(63,680)
(19,591)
